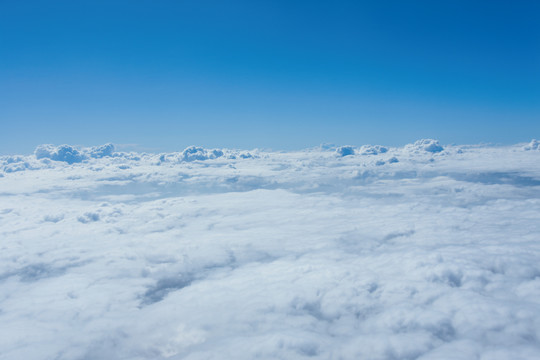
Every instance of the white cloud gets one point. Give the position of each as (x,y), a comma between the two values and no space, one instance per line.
(101,151)
(533,145)
(429,145)
(372,149)
(71,154)
(281,255)
(345,150)
(198,153)
(65,153)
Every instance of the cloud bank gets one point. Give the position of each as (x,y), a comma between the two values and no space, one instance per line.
(368,252)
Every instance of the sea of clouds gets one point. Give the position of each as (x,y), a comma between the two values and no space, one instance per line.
(336,252)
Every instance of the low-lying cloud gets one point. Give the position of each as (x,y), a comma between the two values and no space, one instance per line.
(353,252)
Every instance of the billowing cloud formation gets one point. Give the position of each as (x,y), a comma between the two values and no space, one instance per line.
(59,153)
(101,151)
(198,153)
(373,150)
(345,150)
(363,150)
(533,145)
(428,145)
(72,155)
(208,254)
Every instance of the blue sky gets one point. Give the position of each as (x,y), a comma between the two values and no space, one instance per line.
(161,75)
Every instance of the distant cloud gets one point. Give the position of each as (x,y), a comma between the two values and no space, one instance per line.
(345,150)
(65,153)
(372,150)
(533,145)
(428,145)
(70,154)
(101,151)
(192,153)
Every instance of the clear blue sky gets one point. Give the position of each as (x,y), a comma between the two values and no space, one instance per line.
(280,74)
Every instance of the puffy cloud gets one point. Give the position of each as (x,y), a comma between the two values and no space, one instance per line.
(363,150)
(533,145)
(428,145)
(196,153)
(70,154)
(10,164)
(88,217)
(101,151)
(288,255)
(345,150)
(246,155)
(193,153)
(65,153)
(372,149)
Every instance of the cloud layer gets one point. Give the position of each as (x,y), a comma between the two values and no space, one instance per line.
(370,252)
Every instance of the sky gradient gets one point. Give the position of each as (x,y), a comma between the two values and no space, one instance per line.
(162,75)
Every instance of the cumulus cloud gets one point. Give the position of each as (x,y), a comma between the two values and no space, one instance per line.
(193,153)
(101,151)
(65,153)
(363,150)
(71,154)
(286,255)
(372,149)
(533,145)
(196,153)
(428,145)
(345,150)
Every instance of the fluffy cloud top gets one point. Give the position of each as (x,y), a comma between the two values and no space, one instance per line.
(203,254)
(70,154)
(59,153)
(101,151)
(192,153)
(373,150)
(363,150)
(533,145)
(428,145)
(345,150)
